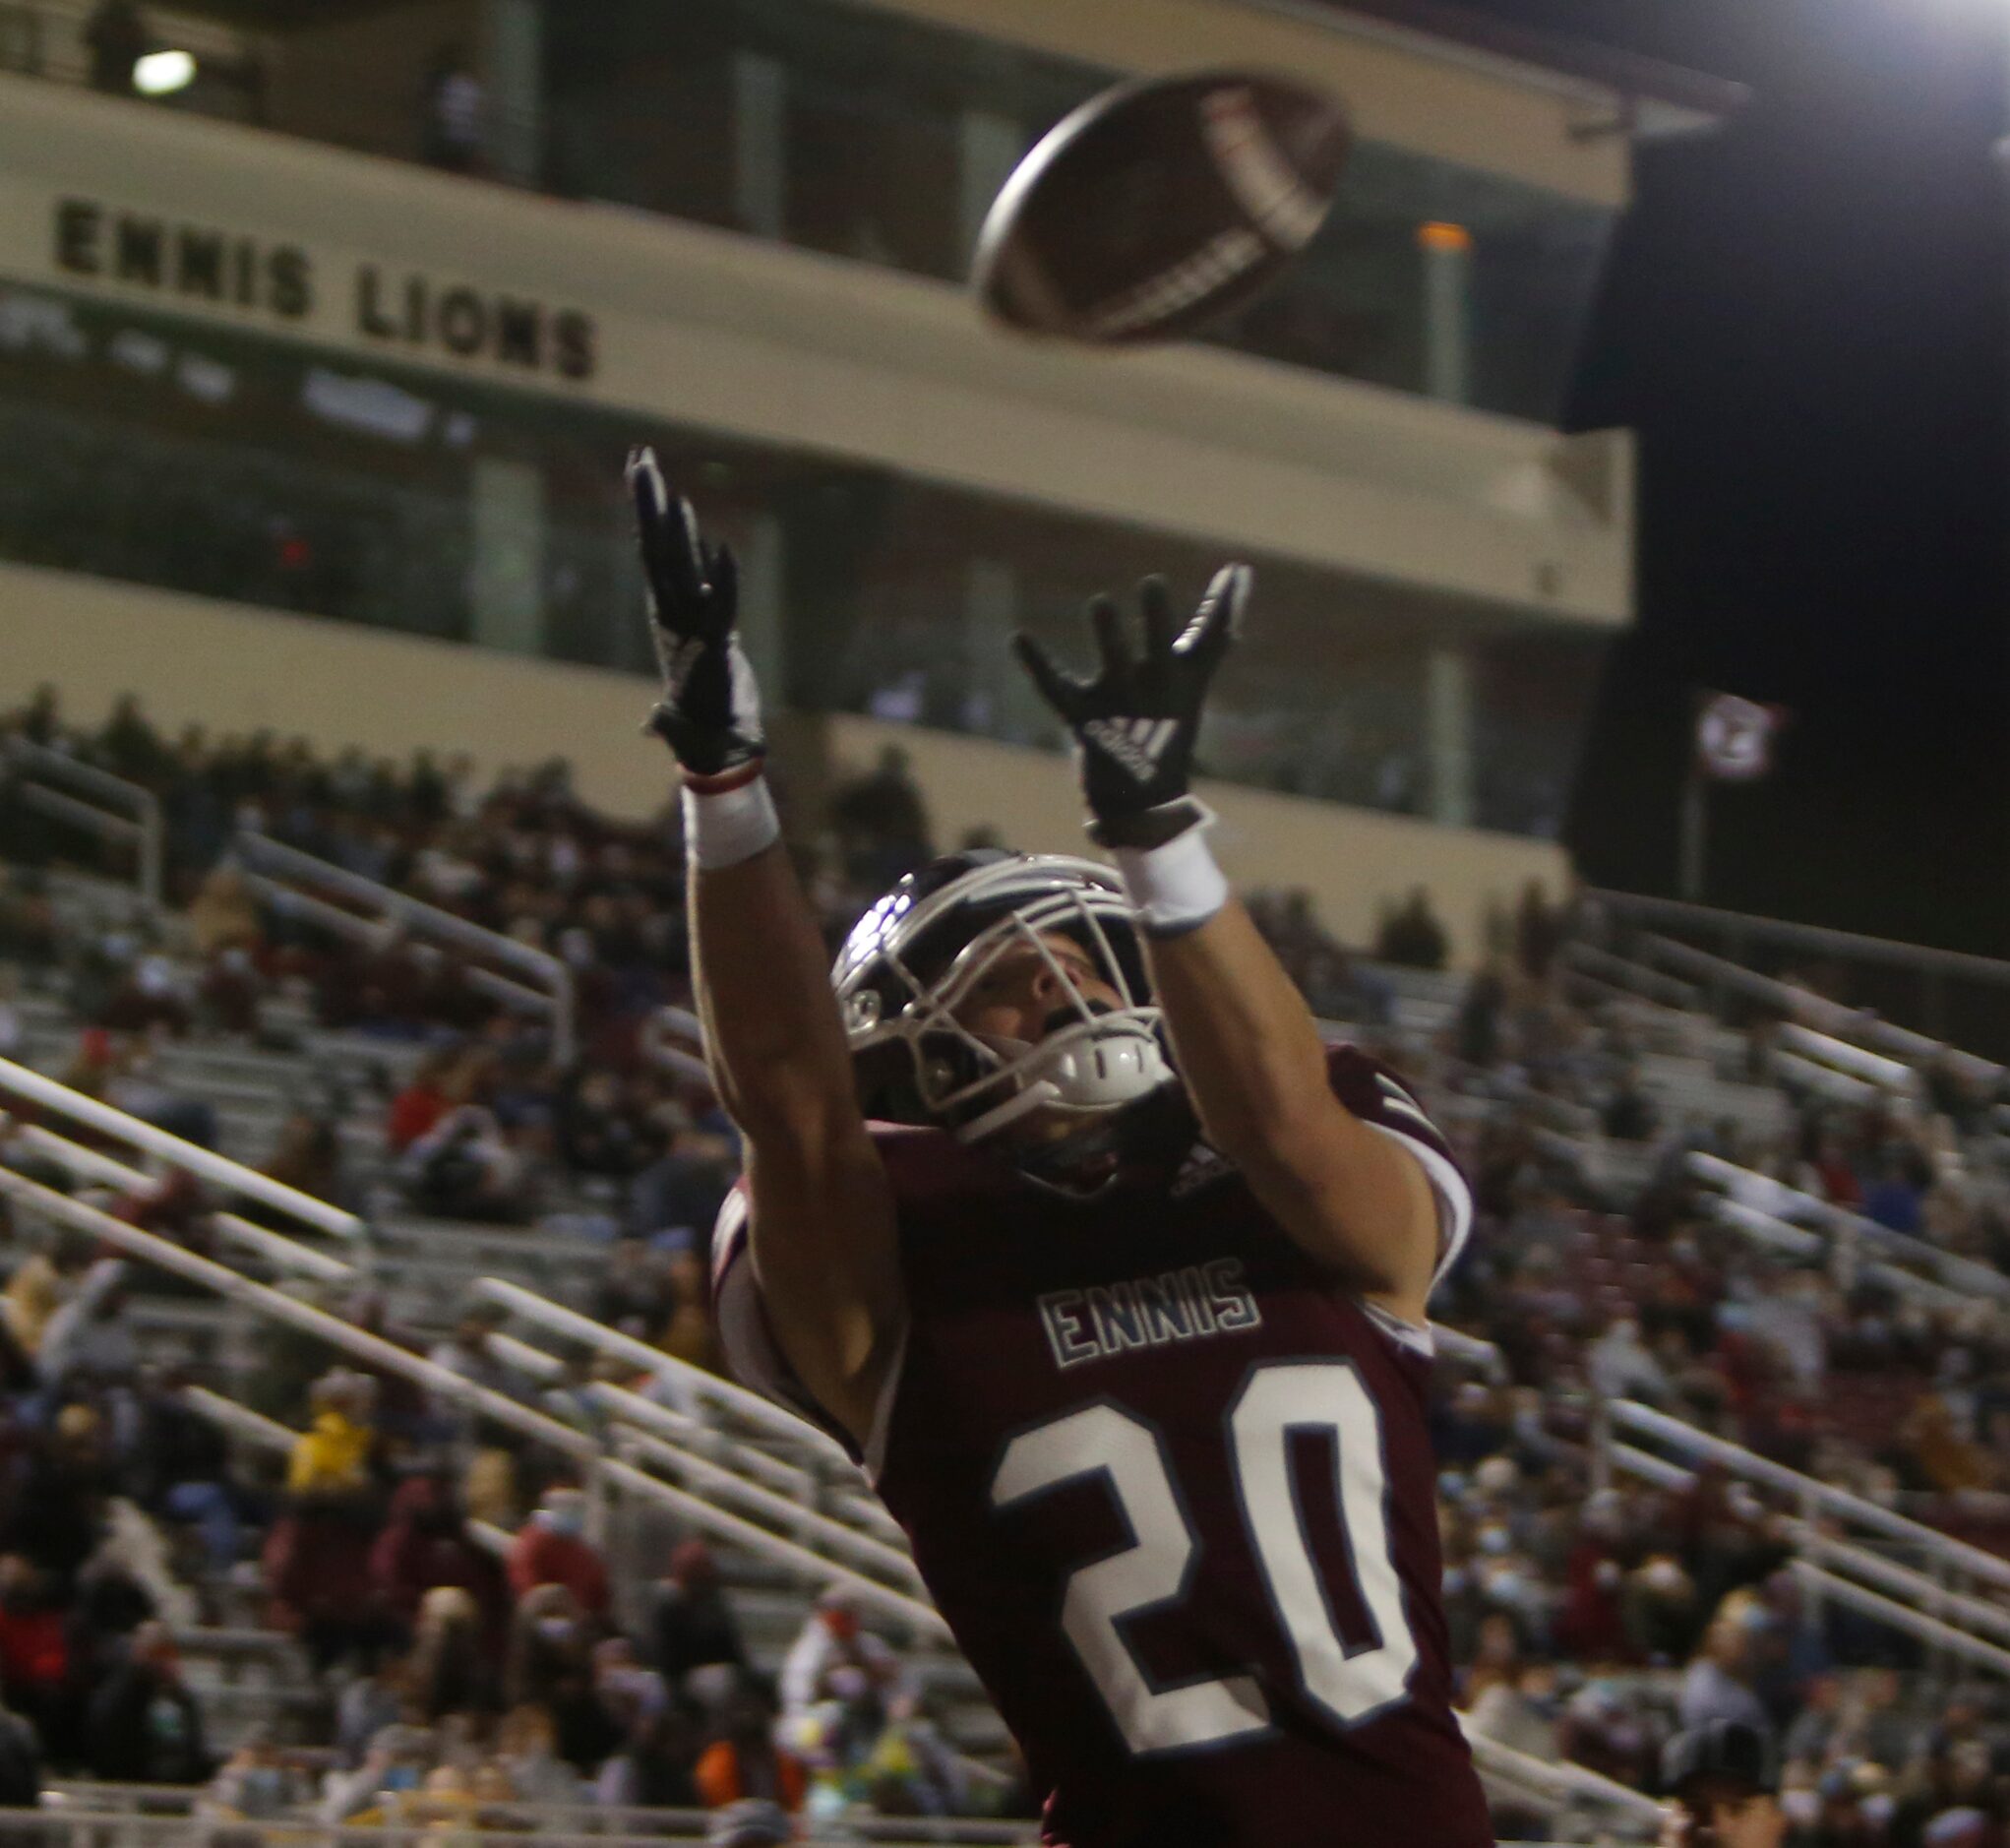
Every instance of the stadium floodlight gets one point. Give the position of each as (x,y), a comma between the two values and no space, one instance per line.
(162,73)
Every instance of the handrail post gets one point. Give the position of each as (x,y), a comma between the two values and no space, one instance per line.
(563,1016)
(285,868)
(140,820)
(1600,1443)
(153,848)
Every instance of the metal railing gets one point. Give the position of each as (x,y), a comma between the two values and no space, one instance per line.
(657,1435)
(1956,1601)
(1930,987)
(1811,1497)
(304,886)
(93,800)
(613,1825)
(1951,1623)
(1798,1207)
(128,1815)
(1555,1787)
(247,1183)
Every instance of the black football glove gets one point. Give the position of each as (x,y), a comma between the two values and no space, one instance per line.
(1135,723)
(709,714)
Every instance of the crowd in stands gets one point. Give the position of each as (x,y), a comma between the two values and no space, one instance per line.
(470,1661)
(1587,1626)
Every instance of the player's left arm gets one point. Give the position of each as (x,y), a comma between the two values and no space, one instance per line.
(1246,1045)
(1253,1064)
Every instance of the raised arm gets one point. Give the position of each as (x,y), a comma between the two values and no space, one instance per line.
(821,1222)
(1246,1044)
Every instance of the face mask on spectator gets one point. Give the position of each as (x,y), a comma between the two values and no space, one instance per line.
(555,1628)
(265,1785)
(1803,1807)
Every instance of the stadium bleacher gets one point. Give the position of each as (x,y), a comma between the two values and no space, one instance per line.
(1708,1441)
(370,1470)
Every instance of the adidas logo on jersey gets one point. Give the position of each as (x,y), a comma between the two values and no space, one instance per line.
(1136,744)
(1202,1165)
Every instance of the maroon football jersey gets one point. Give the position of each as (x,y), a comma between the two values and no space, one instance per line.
(1173,1493)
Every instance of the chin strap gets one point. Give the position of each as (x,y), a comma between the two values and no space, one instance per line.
(1152,1134)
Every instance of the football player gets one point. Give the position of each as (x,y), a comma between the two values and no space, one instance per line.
(1058,1213)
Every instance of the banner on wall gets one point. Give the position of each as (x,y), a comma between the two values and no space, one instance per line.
(186,263)
(1735,737)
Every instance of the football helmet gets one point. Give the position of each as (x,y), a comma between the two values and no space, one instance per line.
(915,957)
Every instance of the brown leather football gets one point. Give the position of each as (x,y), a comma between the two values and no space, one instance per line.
(1161,205)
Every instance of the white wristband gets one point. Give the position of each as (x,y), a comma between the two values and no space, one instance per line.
(1175,888)
(732,825)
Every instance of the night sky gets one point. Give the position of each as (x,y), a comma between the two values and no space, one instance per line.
(1806,318)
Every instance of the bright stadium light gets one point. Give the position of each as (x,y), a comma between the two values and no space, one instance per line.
(162,73)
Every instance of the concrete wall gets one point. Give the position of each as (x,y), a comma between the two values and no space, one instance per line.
(1401,87)
(707,329)
(234,669)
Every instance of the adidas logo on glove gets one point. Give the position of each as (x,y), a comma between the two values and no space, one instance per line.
(1137,744)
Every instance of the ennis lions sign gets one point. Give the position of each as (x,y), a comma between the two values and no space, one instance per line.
(404,308)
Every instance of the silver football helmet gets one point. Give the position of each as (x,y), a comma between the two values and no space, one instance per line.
(913,959)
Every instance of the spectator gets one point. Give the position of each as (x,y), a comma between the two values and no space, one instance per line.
(143,1726)
(654,1768)
(909,1769)
(1521,1713)
(20,1762)
(1628,1116)
(224,916)
(744,1762)
(1894,1199)
(1476,1028)
(34,1648)
(468,1167)
(527,1748)
(551,1665)
(179,1468)
(333,1459)
(424,1100)
(397,1763)
(1621,1365)
(676,1199)
(90,1335)
(1411,936)
(551,1550)
(58,1511)
(634,1292)
(424,1546)
(693,1623)
(255,1784)
(34,1293)
(375,1699)
(469,1354)
(881,824)
(1717,1685)
(308,1158)
(749,1823)
(317,1556)
(834,1658)
(450,1669)
(452,130)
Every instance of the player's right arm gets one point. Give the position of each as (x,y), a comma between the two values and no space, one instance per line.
(822,1230)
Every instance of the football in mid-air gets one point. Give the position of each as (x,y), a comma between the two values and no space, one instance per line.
(1161,205)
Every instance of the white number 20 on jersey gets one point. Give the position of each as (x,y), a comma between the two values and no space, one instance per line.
(1275,1402)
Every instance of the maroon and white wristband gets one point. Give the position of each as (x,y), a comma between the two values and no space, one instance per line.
(728,818)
